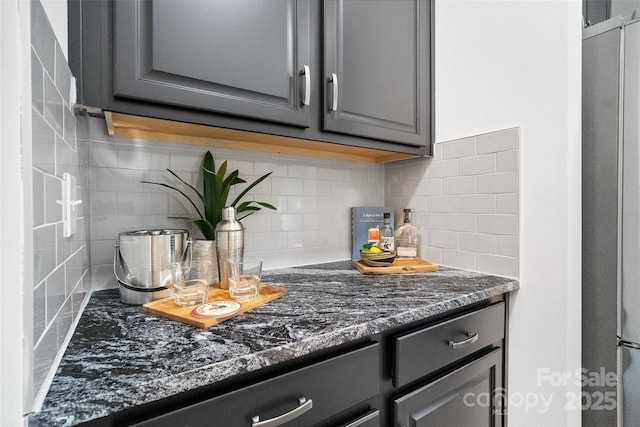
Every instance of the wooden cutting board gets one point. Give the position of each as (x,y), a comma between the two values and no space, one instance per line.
(398,266)
(167,308)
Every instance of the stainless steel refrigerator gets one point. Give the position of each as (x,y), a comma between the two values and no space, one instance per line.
(611,224)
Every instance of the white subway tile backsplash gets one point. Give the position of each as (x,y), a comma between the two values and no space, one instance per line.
(136,157)
(459,185)
(53,106)
(142,204)
(507,204)
(477,165)
(62,72)
(57,260)
(498,141)
(302,204)
(63,322)
(270,241)
(508,246)
(330,173)
(276,169)
(497,183)
(459,259)
(69,127)
(52,193)
(113,179)
(55,292)
(471,188)
(479,243)
(442,169)
(39,310)
(302,171)
(478,204)
(66,158)
(431,253)
(429,187)
(459,222)
(505,266)
(507,161)
(44,354)
(103,155)
(103,203)
(38,197)
(317,188)
(442,239)
(428,221)
(442,204)
(37,84)
(44,243)
(291,222)
(43,144)
(356,174)
(498,224)
(102,251)
(459,148)
(287,186)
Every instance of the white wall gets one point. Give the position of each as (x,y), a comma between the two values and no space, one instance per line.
(14,78)
(503,64)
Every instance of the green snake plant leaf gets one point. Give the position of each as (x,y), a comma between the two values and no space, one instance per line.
(187,184)
(179,191)
(217,186)
(249,187)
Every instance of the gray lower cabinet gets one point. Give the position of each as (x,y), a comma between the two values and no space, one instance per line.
(468,396)
(303,397)
(376,69)
(454,371)
(446,371)
(241,57)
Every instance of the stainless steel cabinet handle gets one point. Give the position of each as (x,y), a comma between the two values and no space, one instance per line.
(307,85)
(305,405)
(459,344)
(334,83)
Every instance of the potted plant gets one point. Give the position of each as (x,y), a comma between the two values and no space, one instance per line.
(209,203)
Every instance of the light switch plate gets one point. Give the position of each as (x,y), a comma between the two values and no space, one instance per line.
(69,204)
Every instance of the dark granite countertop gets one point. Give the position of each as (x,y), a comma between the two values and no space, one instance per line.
(120,357)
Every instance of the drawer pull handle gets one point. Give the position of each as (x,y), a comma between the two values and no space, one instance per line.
(459,344)
(334,84)
(307,85)
(305,405)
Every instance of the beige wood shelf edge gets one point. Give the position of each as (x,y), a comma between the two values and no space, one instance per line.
(137,127)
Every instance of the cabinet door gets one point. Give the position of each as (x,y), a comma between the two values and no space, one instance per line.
(377,69)
(240,57)
(469,396)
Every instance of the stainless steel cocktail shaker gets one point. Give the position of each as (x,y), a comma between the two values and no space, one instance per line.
(229,242)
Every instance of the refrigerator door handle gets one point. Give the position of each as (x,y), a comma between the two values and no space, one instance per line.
(629,344)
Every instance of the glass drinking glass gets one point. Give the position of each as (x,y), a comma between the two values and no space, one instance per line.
(189,282)
(244,277)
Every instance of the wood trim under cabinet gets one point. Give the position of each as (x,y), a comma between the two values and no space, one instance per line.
(137,127)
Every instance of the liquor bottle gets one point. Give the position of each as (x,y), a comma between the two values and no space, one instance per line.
(386,234)
(407,237)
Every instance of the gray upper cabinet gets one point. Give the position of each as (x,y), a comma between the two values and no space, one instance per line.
(264,66)
(240,57)
(377,69)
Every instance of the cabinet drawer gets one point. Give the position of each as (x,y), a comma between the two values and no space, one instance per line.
(308,395)
(423,351)
(371,419)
